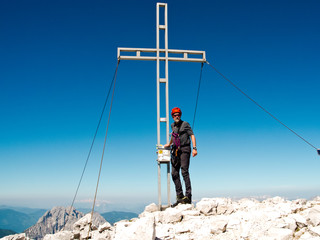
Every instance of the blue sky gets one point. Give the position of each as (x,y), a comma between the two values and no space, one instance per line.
(57,60)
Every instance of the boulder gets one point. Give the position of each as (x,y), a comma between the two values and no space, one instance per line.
(170,215)
(316,199)
(224,206)
(298,205)
(207,206)
(300,232)
(313,215)
(103,227)
(290,223)
(164,231)
(63,235)
(219,226)
(300,220)
(97,220)
(142,229)
(280,233)
(308,236)
(315,230)
(151,208)
(101,235)
(21,236)
(184,207)
(247,204)
(275,200)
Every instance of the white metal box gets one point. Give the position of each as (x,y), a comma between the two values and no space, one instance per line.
(163,154)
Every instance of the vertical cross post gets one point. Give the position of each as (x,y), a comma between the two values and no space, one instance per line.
(162,54)
(162,80)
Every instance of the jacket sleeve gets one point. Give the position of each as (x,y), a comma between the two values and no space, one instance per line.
(188,129)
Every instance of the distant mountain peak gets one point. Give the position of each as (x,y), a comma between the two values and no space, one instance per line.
(53,221)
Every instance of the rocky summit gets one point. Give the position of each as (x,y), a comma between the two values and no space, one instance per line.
(211,218)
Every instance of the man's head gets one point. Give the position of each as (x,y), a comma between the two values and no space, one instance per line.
(176,114)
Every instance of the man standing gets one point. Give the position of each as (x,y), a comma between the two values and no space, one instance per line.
(181,151)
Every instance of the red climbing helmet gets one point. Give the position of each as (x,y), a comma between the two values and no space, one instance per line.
(176,110)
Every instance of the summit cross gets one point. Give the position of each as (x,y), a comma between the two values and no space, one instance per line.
(162,54)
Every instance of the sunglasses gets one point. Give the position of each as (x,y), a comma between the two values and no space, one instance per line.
(176,115)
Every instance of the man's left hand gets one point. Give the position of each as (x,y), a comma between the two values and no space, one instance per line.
(194,152)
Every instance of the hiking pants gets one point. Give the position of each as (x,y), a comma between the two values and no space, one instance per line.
(183,163)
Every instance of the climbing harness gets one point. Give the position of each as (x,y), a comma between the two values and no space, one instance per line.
(176,139)
(175,148)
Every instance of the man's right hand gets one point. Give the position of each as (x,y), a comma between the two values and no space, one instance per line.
(166,145)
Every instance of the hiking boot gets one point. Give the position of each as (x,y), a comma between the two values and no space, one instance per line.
(179,200)
(186,200)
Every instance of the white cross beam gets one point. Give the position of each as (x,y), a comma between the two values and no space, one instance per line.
(166,54)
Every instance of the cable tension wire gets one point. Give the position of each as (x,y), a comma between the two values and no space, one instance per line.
(103,151)
(318,150)
(195,110)
(94,138)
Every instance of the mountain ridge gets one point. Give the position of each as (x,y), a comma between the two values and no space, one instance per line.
(19,219)
(6,232)
(16,221)
(209,219)
(26,210)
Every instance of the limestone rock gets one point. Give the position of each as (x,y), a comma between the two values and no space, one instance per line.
(211,218)
(207,206)
(315,231)
(313,215)
(275,200)
(21,236)
(219,226)
(170,215)
(97,220)
(142,229)
(316,199)
(308,236)
(101,235)
(290,223)
(184,207)
(280,233)
(300,232)
(298,205)
(63,235)
(104,227)
(151,208)
(300,220)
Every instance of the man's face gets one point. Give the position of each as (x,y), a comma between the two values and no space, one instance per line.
(176,117)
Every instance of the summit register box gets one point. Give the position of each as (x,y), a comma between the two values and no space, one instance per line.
(164,155)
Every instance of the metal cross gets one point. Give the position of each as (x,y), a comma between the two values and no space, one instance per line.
(165,55)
